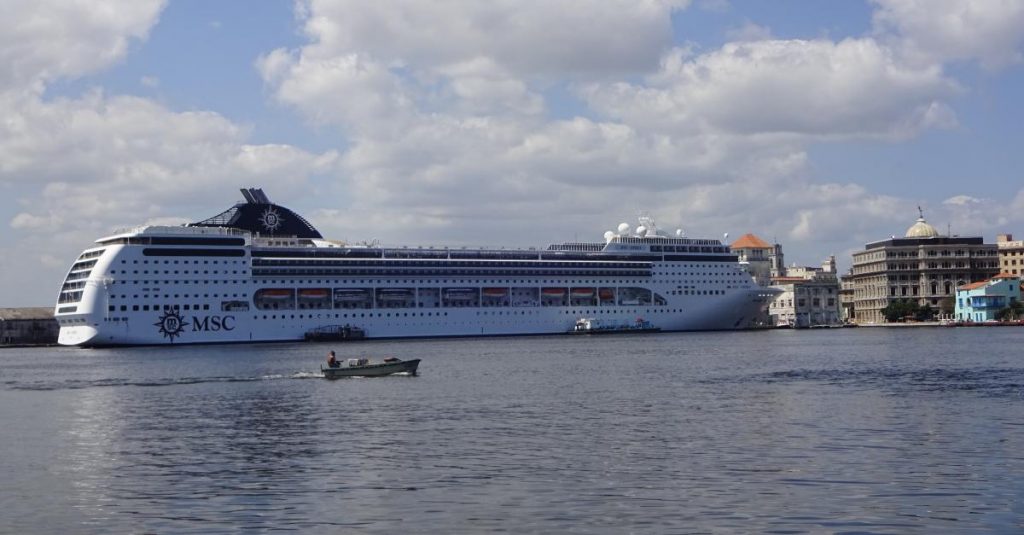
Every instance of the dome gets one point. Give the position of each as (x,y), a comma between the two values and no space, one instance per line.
(921,229)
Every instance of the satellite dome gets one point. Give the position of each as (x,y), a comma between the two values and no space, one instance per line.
(641,231)
(608,235)
(623,228)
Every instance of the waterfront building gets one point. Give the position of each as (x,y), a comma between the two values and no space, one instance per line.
(923,266)
(981,301)
(28,326)
(757,257)
(846,301)
(1011,254)
(808,296)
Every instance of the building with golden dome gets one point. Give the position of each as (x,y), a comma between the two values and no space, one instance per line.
(922,265)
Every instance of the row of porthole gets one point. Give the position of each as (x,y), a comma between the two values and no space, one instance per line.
(175,272)
(186,261)
(156,308)
(441,314)
(345,316)
(176,296)
(204,283)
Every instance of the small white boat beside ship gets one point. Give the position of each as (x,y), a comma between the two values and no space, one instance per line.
(596,326)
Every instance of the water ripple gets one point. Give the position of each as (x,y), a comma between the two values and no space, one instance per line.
(701,433)
(986,381)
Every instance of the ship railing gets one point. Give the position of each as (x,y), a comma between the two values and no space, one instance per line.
(290,242)
(488,248)
(209,231)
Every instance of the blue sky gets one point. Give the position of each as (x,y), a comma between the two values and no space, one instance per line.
(820,124)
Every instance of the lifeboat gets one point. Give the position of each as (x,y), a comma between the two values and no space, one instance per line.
(607,293)
(495,292)
(553,292)
(394,294)
(276,294)
(314,293)
(351,295)
(582,293)
(460,293)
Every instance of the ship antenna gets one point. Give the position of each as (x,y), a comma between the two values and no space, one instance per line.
(648,221)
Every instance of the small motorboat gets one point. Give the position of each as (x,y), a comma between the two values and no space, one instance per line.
(367,368)
(334,333)
(596,326)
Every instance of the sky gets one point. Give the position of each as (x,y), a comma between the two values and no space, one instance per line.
(819,125)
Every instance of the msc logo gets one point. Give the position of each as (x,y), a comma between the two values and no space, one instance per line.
(171,324)
(271,220)
(213,323)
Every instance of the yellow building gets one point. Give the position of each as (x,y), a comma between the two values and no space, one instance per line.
(1011,254)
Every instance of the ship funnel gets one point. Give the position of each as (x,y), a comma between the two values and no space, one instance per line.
(255,196)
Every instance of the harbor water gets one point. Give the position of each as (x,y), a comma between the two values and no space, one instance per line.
(822,431)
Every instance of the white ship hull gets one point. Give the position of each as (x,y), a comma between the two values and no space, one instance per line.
(739,311)
(207,283)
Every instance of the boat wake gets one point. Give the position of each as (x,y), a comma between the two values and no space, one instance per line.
(78,384)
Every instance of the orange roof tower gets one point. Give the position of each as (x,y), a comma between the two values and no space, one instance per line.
(749,241)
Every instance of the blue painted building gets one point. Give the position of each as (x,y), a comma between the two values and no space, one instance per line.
(981,301)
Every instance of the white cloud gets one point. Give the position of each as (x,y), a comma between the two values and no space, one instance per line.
(808,88)
(961,200)
(378,65)
(1017,206)
(29,221)
(480,86)
(149,81)
(526,38)
(113,160)
(84,167)
(930,31)
(351,90)
(43,40)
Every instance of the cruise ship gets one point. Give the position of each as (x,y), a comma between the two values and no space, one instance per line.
(259,272)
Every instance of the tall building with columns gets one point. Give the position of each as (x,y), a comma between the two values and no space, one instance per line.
(922,265)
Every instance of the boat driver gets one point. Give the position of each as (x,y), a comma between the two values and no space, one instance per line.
(332,361)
